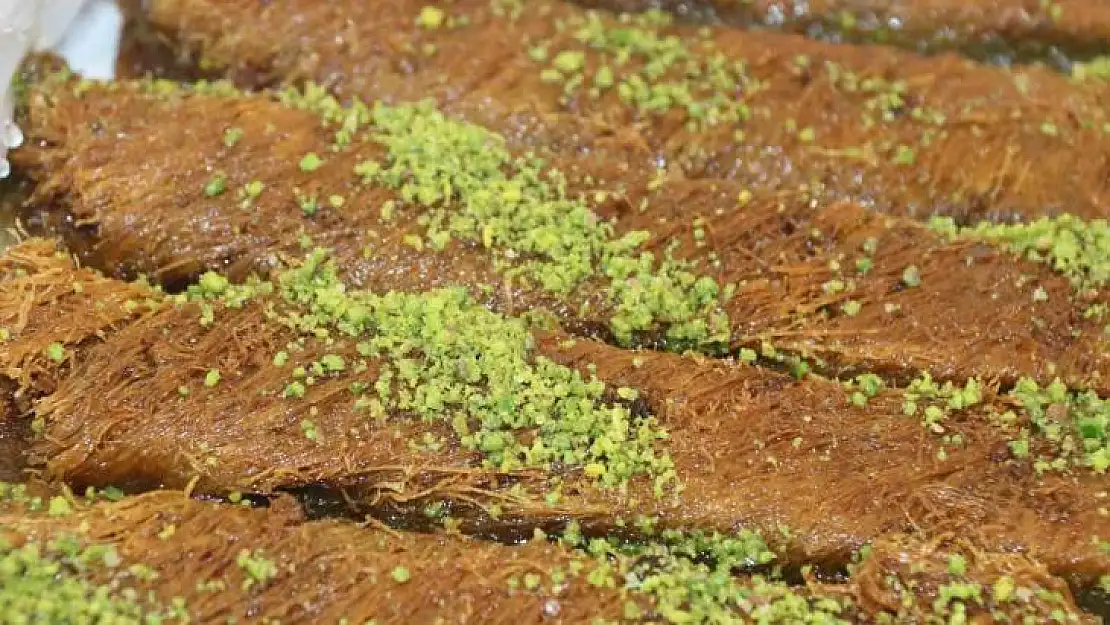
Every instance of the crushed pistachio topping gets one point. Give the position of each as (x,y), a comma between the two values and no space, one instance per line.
(48,582)
(59,506)
(863,387)
(257,569)
(1076,426)
(649,70)
(936,401)
(964,595)
(1077,249)
(690,578)
(216,185)
(472,188)
(17,493)
(444,358)
(1058,429)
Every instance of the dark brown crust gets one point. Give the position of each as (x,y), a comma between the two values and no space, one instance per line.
(990,158)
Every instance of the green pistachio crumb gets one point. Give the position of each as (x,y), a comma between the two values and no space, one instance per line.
(294,389)
(569,62)
(56,352)
(257,569)
(413,241)
(59,507)
(911,276)
(232,136)
(400,574)
(904,155)
(1003,589)
(253,189)
(431,18)
(537,53)
(308,204)
(627,394)
(308,428)
(216,185)
(212,284)
(333,363)
(310,162)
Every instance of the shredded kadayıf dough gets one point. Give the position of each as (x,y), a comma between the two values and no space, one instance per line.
(26,25)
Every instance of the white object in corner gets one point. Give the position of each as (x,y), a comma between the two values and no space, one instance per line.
(91,45)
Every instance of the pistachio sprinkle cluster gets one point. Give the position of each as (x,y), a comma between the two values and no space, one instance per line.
(442,357)
(470,187)
(1073,247)
(651,72)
